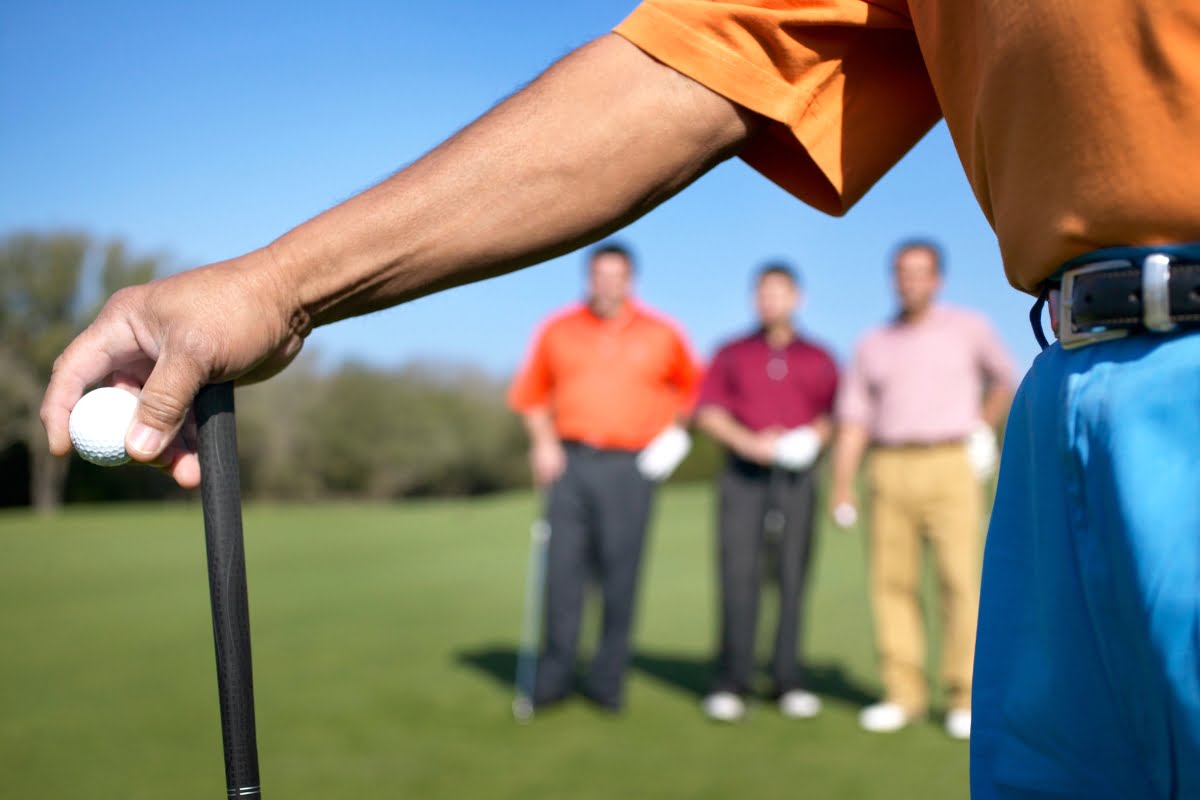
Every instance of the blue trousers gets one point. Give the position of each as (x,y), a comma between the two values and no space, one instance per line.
(1087,663)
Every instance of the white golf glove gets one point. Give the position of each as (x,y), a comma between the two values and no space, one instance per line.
(797,449)
(665,452)
(982,452)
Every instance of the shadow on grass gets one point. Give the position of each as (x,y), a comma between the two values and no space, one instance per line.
(693,676)
(685,674)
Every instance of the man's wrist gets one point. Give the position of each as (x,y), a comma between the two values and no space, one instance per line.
(285,276)
(322,287)
(745,443)
(546,441)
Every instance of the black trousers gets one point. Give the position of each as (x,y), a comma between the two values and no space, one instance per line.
(598,512)
(765,517)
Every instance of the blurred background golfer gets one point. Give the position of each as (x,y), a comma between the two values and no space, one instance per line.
(766,397)
(926,391)
(600,394)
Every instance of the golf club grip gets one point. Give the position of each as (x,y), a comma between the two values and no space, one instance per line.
(220,495)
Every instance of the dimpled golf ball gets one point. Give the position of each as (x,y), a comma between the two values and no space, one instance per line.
(98,424)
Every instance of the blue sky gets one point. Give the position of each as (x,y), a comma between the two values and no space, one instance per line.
(206,130)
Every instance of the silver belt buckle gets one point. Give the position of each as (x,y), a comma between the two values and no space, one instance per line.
(1156,306)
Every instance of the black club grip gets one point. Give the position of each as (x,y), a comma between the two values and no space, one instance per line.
(220,495)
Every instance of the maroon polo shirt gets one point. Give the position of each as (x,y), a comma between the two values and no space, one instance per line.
(764,387)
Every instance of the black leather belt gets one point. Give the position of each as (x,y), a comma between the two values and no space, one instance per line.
(576,446)
(1111,293)
(928,444)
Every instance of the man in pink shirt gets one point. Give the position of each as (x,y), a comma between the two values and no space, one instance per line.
(925,392)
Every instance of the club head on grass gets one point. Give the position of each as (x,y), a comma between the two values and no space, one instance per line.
(522,709)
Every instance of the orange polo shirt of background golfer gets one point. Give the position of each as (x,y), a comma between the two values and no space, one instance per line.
(608,383)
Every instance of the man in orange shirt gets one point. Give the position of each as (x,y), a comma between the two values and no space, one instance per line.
(600,394)
(1076,124)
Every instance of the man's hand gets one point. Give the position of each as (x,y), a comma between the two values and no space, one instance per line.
(758,448)
(843,507)
(547,461)
(755,447)
(664,454)
(798,448)
(166,339)
(982,452)
(848,452)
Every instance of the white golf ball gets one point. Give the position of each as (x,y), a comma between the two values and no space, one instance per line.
(98,425)
(845,515)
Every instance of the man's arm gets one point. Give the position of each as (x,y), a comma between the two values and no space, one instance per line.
(848,450)
(720,424)
(685,377)
(823,425)
(855,408)
(1000,372)
(996,401)
(598,140)
(547,460)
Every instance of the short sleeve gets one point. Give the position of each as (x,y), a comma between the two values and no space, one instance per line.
(994,358)
(714,386)
(531,387)
(841,82)
(829,386)
(854,404)
(685,374)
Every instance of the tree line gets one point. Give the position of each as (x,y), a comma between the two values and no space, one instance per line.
(352,431)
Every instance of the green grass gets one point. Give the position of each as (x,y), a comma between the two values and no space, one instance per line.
(384,639)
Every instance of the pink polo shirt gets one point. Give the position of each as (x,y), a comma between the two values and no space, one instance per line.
(923,383)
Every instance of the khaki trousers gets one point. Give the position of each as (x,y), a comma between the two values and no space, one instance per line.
(924,493)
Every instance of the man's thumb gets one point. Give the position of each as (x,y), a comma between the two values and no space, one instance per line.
(162,407)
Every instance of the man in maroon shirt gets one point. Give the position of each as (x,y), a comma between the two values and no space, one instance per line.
(767,398)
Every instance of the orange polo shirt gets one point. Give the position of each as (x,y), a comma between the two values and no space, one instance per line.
(610,383)
(1076,120)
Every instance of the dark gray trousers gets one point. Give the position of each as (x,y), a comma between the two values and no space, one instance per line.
(762,512)
(598,512)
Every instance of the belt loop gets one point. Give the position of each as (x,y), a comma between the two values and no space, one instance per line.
(1156,297)
(1035,316)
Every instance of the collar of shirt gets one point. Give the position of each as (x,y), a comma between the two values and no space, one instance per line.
(760,335)
(626,314)
(935,314)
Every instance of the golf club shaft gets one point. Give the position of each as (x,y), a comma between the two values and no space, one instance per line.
(531,618)
(220,494)
(775,518)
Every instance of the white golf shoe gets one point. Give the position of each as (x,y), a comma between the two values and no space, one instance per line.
(724,707)
(799,704)
(883,718)
(958,723)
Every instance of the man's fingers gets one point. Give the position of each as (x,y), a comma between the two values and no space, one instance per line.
(169,338)
(179,459)
(163,405)
(185,469)
(85,362)
(275,363)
